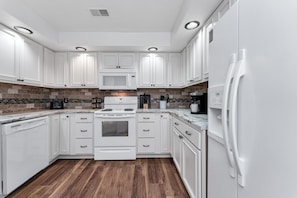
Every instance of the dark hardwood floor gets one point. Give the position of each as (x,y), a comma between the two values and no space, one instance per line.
(108,179)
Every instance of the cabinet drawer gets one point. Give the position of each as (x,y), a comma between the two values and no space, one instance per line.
(146,117)
(190,133)
(146,145)
(83,130)
(84,117)
(146,130)
(83,146)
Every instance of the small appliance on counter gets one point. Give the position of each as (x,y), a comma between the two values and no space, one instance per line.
(57,104)
(163,101)
(145,101)
(198,103)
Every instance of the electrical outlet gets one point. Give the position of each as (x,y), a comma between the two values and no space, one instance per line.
(65,100)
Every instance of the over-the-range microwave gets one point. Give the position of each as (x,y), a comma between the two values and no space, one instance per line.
(117,81)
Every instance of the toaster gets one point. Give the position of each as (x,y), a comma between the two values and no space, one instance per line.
(57,104)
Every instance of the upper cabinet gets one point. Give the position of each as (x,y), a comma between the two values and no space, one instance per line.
(194,59)
(118,61)
(9,54)
(49,67)
(61,70)
(176,70)
(31,67)
(83,70)
(153,70)
(21,59)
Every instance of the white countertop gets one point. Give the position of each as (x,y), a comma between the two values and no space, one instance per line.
(197,120)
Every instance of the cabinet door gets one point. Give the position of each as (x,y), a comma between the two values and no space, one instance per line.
(127,60)
(197,50)
(9,55)
(191,165)
(109,61)
(31,66)
(61,70)
(76,63)
(177,149)
(49,67)
(207,40)
(175,70)
(54,136)
(64,134)
(165,126)
(145,76)
(90,71)
(159,74)
(190,62)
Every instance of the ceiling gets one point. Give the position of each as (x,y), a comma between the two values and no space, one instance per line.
(132,25)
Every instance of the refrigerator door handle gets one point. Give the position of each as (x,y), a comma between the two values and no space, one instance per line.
(239,162)
(226,132)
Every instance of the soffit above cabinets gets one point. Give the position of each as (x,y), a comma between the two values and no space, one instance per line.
(132,25)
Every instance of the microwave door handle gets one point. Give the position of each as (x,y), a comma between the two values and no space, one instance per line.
(128,80)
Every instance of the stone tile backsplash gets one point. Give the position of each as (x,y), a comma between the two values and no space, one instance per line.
(21,98)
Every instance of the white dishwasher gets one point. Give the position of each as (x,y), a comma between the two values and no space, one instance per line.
(25,151)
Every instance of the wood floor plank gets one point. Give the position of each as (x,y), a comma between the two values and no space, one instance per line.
(142,178)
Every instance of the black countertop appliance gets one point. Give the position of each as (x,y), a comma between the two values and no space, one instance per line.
(201,100)
(145,101)
(57,104)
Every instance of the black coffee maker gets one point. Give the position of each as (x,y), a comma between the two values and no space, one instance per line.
(145,101)
(198,103)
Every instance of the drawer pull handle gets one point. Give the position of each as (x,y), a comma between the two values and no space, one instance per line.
(83,118)
(180,137)
(146,145)
(146,118)
(83,131)
(83,146)
(176,123)
(188,133)
(145,130)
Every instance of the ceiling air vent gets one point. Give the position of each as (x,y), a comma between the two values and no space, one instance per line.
(99,12)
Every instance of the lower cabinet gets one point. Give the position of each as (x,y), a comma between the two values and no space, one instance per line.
(54,136)
(187,157)
(153,133)
(65,134)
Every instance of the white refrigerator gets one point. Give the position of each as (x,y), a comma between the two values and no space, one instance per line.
(252,135)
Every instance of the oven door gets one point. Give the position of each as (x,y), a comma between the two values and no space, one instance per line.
(114,130)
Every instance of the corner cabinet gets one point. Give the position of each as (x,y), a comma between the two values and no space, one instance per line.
(153,70)
(64,134)
(61,70)
(83,70)
(54,136)
(49,67)
(117,61)
(176,71)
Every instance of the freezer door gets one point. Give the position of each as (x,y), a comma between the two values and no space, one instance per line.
(267,116)
(220,183)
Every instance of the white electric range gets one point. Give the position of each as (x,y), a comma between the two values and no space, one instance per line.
(115,129)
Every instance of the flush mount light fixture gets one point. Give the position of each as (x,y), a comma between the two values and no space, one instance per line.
(23,30)
(152,49)
(192,25)
(80,49)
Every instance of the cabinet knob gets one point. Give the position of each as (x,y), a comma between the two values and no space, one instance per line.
(65,85)
(169,85)
(188,133)
(180,136)
(161,116)
(67,116)
(176,123)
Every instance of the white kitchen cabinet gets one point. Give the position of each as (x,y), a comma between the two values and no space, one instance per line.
(82,134)
(31,64)
(191,168)
(9,55)
(188,152)
(65,134)
(165,129)
(83,70)
(153,70)
(118,61)
(61,70)
(49,67)
(177,149)
(54,136)
(153,133)
(194,55)
(208,36)
(176,70)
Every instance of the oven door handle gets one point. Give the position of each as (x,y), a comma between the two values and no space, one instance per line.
(114,117)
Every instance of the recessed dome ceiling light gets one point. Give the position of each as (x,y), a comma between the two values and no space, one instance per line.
(80,49)
(192,25)
(23,30)
(152,49)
